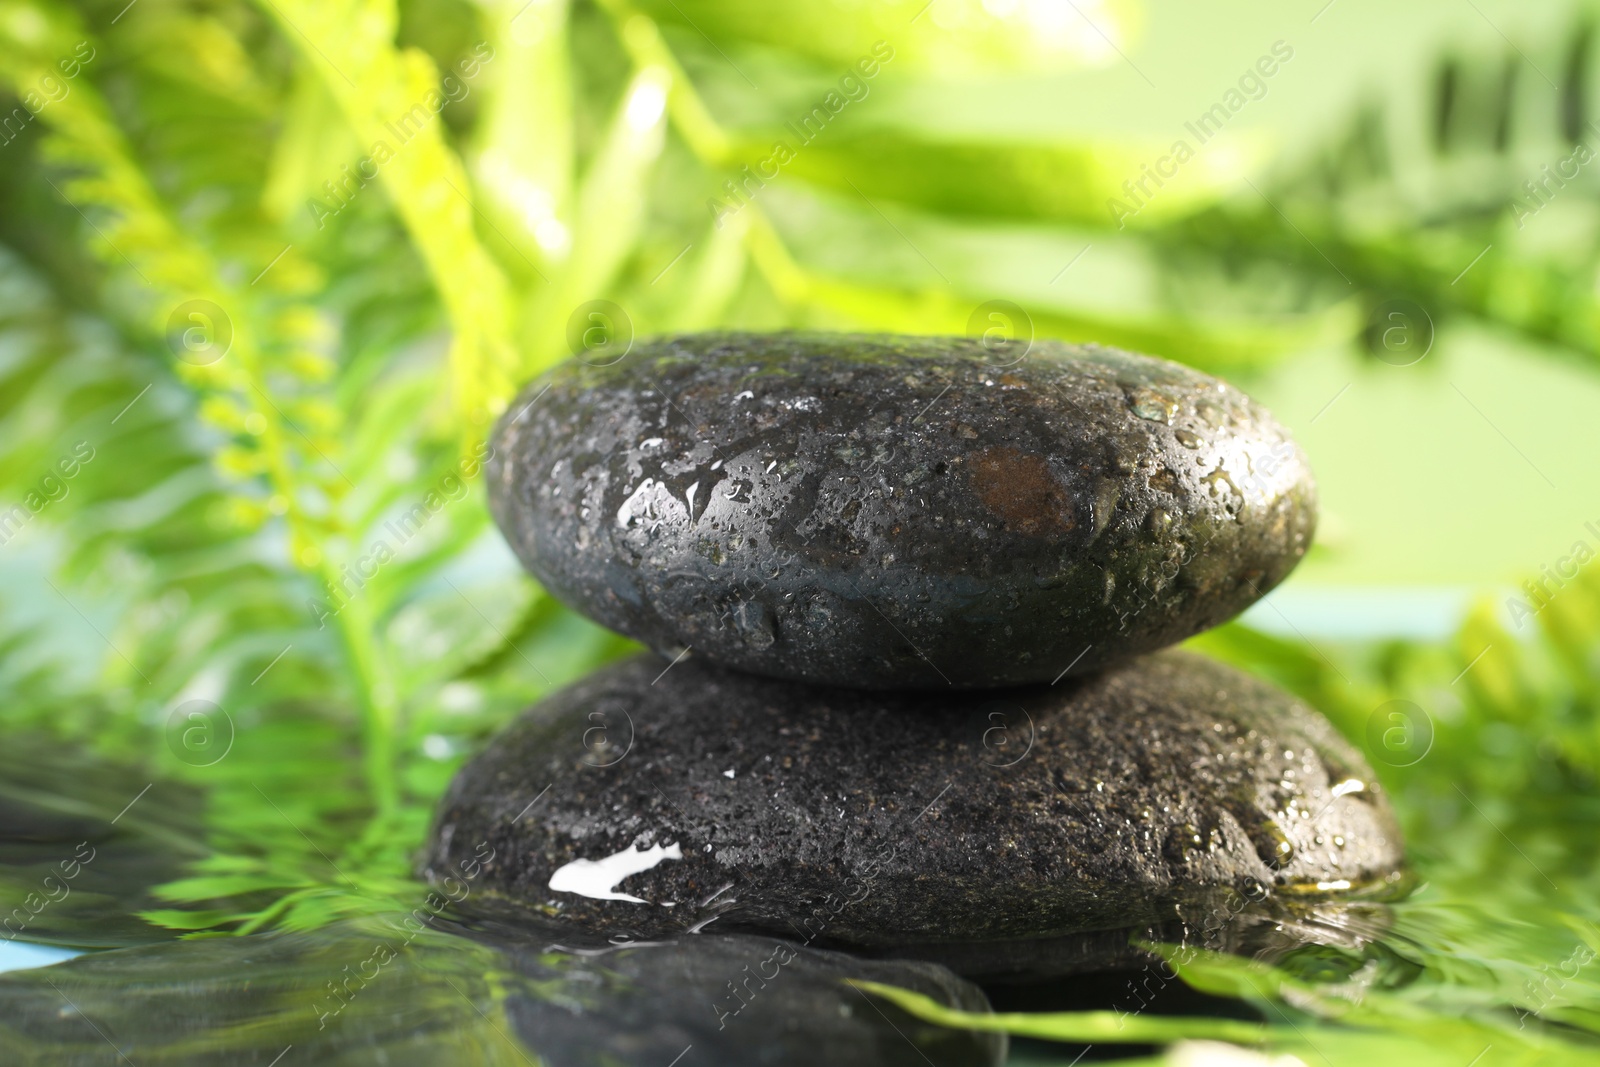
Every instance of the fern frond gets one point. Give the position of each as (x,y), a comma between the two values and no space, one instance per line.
(391,98)
(222,332)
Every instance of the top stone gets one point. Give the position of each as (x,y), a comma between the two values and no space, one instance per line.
(878,511)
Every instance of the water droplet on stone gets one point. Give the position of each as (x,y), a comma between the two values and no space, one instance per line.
(1106,494)
(1222,485)
(754,623)
(1187,439)
(1274,846)
(1182,840)
(1153,406)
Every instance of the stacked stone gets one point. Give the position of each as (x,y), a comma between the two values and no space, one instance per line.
(907,597)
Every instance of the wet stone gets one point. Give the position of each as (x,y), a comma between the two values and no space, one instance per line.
(944,825)
(883,511)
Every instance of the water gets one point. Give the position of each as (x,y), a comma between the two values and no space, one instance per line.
(82,843)
(21,955)
(377,991)
(393,987)
(388,987)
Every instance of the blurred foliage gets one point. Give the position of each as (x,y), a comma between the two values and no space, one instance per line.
(268,271)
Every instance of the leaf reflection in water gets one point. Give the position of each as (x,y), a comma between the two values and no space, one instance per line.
(358,993)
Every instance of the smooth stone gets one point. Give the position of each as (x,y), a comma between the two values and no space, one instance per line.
(950,826)
(885,512)
(376,992)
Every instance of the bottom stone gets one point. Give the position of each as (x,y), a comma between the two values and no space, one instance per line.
(1170,790)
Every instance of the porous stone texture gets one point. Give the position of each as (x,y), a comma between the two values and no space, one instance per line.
(939,823)
(890,512)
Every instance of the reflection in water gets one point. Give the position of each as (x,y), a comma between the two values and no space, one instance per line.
(81,845)
(21,955)
(372,992)
(1269,929)
(1339,943)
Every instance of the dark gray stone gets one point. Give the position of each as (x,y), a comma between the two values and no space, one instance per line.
(884,512)
(941,824)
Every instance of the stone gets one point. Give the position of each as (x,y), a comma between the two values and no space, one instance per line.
(942,824)
(885,512)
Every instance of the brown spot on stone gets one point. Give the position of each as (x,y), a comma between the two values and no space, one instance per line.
(1021,489)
